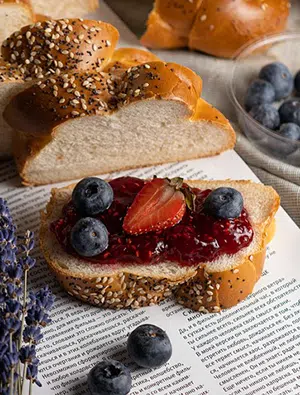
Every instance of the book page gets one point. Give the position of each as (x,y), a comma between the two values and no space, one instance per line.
(252,348)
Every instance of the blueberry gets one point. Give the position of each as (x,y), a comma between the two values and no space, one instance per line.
(297,82)
(109,378)
(289,111)
(224,203)
(89,237)
(259,92)
(92,196)
(266,115)
(290,130)
(280,77)
(149,346)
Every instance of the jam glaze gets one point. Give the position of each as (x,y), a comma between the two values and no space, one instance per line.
(195,239)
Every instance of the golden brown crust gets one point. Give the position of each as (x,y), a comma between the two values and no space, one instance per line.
(202,290)
(123,58)
(67,45)
(217,27)
(160,35)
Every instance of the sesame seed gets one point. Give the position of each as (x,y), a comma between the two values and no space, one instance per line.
(218,286)
(235,271)
(146,85)
(209,299)
(203,18)
(108,43)
(147,66)
(209,293)
(62,100)
(95,47)
(75,113)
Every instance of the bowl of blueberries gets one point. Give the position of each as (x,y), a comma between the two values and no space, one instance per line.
(265,91)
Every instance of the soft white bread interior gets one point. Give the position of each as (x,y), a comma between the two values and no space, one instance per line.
(13,15)
(65,8)
(74,126)
(198,286)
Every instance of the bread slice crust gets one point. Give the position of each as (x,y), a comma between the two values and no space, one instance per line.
(198,287)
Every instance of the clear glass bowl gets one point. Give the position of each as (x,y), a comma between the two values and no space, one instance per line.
(250,59)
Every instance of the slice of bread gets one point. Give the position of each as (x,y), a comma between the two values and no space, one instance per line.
(74,126)
(13,15)
(204,287)
(64,8)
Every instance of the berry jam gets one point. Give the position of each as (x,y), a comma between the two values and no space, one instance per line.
(196,238)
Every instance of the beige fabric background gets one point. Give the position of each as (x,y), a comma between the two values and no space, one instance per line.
(215,74)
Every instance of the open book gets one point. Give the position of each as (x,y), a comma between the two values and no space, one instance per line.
(251,349)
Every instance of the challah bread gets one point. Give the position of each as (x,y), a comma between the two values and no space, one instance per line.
(64,9)
(50,48)
(73,126)
(219,27)
(66,45)
(13,15)
(203,287)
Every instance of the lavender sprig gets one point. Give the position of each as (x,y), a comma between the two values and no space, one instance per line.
(22,314)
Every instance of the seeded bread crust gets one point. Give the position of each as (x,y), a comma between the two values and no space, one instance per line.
(216,27)
(203,287)
(55,47)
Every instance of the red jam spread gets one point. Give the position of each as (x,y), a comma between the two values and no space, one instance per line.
(196,238)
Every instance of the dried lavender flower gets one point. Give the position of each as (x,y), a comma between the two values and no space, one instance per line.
(22,314)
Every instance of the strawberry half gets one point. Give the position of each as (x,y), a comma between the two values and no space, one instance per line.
(159,205)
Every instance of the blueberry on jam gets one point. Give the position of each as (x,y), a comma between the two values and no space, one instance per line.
(197,238)
(89,237)
(92,196)
(224,203)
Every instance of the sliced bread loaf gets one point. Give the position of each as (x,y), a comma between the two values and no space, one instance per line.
(204,287)
(73,126)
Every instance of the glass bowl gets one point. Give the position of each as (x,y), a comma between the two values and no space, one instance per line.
(284,48)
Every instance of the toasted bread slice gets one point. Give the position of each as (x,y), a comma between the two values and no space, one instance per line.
(152,110)
(121,286)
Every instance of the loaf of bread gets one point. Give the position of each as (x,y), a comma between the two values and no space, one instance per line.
(13,15)
(205,287)
(50,48)
(219,27)
(72,126)
(65,8)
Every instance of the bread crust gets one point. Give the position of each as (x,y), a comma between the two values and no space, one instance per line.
(219,28)
(201,288)
(55,47)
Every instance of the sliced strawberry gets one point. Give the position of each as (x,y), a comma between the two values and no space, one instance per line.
(159,205)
